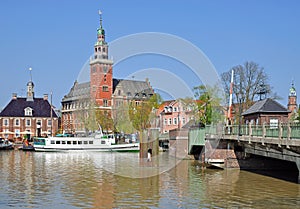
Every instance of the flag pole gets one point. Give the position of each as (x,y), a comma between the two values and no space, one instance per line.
(229,116)
(51,114)
(30,69)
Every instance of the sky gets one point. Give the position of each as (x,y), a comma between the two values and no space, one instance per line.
(56,37)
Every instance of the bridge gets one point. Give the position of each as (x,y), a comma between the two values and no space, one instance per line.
(236,146)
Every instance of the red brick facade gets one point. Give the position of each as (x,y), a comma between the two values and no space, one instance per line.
(28,117)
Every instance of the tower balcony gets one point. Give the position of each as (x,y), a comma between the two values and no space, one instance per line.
(97,58)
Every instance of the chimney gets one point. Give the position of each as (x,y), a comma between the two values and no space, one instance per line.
(14,96)
(45,96)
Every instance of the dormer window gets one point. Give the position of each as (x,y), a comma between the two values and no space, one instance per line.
(28,111)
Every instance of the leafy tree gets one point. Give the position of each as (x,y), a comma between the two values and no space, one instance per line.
(121,119)
(86,116)
(208,104)
(296,117)
(103,118)
(141,114)
(203,104)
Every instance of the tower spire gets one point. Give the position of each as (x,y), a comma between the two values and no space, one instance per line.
(292,101)
(100,32)
(30,88)
(100,14)
(293,89)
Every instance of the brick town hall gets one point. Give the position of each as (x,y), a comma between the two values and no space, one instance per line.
(106,92)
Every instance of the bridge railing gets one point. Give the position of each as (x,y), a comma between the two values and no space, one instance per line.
(295,131)
(283,131)
(271,131)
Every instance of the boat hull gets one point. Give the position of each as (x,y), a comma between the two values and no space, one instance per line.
(133,148)
(6,147)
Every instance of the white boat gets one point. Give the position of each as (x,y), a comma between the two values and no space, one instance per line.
(5,144)
(98,142)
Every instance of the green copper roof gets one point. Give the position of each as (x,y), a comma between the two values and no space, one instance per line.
(100,43)
(100,31)
(292,91)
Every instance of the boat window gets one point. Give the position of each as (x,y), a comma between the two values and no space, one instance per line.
(74,142)
(102,142)
(57,142)
(68,142)
(79,142)
(90,142)
(63,142)
(52,142)
(85,142)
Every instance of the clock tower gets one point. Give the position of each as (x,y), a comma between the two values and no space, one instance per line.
(101,72)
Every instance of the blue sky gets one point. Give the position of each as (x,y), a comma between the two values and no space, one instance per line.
(56,38)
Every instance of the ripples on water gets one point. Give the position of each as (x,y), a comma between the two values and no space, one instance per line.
(104,180)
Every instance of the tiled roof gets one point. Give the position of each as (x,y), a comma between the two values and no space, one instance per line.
(189,124)
(78,91)
(266,106)
(163,105)
(133,88)
(40,108)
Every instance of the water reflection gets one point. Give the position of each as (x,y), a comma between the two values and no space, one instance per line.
(85,180)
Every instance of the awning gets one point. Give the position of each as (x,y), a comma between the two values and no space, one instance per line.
(7,132)
(25,132)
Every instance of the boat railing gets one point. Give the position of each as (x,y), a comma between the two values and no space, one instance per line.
(39,141)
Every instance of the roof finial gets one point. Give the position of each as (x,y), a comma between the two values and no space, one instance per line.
(100,14)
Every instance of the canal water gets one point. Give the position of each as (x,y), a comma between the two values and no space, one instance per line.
(122,180)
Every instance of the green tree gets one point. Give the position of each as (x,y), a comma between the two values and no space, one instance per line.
(209,108)
(104,119)
(142,113)
(86,116)
(121,119)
